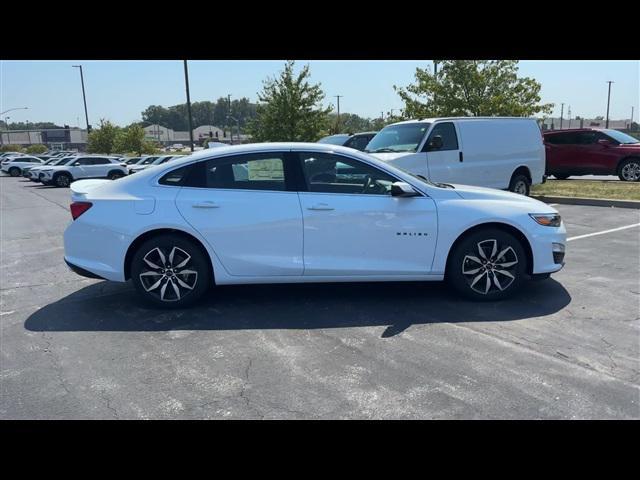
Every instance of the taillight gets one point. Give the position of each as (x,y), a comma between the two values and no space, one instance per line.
(78,208)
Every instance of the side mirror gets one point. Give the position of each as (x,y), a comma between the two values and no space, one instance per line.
(402,189)
(435,143)
(604,142)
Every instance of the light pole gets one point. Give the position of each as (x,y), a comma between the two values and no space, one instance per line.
(228,115)
(7,123)
(186,81)
(608,101)
(84,98)
(237,127)
(631,122)
(561,114)
(338,122)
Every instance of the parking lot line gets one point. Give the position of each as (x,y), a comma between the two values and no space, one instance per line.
(603,232)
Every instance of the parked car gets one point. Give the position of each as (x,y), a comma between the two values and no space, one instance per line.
(4,155)
(82,166)
(33,173)
(494,152)
(146,160)
(124,161)
(279,213)
(143,165)
(592,151)
(358,141)
(14,166)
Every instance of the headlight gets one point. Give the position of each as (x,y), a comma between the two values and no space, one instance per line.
(547,219)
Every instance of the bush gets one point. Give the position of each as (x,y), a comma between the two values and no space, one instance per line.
(10,148)
(35,149)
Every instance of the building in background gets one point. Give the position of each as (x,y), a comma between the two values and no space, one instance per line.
(70,138)
(569,123)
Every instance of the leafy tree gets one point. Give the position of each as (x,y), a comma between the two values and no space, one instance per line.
(131,139)
(472,88)
(290,108)
(35,149)
(103,139)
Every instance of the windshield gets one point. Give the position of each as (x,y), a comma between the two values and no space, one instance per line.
(621,137)
(334,139)
(398,138)
(147,161)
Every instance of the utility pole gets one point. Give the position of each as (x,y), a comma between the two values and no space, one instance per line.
(631,122)
(569,114)
(230,125)
(608,101)
(561,114)
(186,81)
(338,122)
(84,98)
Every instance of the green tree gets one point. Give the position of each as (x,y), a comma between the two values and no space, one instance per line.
(131,139)
(290,108)
(10,148)
(35,149)
(103,139)
(472,88)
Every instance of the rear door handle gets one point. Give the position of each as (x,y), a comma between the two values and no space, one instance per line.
(206,205)
(461,158)
(320,206)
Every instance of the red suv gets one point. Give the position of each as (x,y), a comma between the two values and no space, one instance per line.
(591,151)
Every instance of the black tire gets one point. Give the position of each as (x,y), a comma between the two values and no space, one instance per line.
(520,184)
(62,180)
(163,294)
(115,174)
(14,171)
(466,275)
(629,170)
(560,177)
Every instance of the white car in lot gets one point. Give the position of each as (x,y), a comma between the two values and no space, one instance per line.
(15,166)
(495,152)
(298,212)
(82,166)
(150,162)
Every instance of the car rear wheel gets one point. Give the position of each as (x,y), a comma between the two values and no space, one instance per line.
(62,180)
(629,170)
(489,264)
(14,171)
(170,271)
(520,184)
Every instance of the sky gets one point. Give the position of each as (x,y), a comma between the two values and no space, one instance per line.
(120,90)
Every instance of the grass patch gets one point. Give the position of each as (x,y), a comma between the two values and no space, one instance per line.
(589,189)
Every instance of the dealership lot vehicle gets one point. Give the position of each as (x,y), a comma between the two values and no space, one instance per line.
(82,166)
(144,161)
(138,167)
(494,152)
(84,348)
(32,173)
(15,166)
(294,212)
(359,141)
(591,151)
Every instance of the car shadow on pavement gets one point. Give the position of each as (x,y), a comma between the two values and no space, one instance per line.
(108,306)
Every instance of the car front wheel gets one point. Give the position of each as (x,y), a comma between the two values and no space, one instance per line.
(489,264)
(14,171)
(62,180)
(629,170)
(170,271)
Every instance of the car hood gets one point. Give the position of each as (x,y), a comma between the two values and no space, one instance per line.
(469,192)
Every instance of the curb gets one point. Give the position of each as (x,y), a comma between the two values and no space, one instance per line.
(594,202)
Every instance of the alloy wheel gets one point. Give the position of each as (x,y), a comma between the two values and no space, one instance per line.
(493,268)
(166,274)
(631,172)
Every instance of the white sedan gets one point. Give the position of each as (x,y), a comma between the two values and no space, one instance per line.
(298,212)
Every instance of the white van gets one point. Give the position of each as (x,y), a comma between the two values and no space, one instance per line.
(495,152)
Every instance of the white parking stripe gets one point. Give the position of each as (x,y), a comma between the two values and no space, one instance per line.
(603,232)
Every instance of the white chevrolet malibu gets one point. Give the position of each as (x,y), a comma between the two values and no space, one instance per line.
(298,212)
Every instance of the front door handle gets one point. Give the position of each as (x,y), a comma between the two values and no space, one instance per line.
(320,206)
(206,205)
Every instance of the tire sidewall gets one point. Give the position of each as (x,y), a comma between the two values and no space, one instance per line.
(55,180)
(199,263)
(468,245)
(520,178)
(622,165)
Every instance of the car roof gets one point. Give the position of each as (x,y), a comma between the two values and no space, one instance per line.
(573,130)
(438,119)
